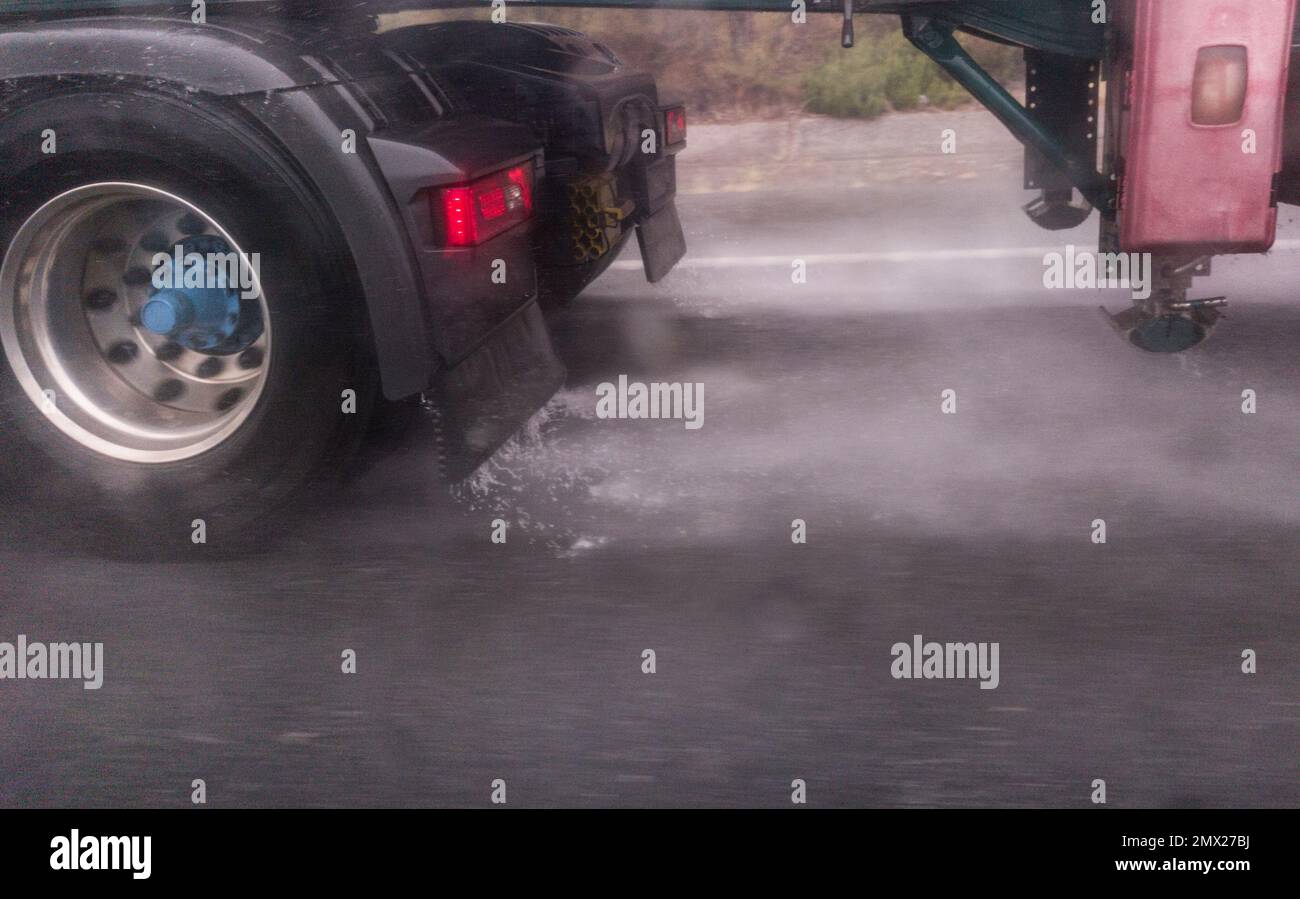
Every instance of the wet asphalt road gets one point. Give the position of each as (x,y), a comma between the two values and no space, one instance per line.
(522,661)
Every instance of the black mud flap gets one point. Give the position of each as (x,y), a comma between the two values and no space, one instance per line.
(662,243)
(488,395)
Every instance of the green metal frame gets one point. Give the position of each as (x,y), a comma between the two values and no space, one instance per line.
(1058,26)
(936,40)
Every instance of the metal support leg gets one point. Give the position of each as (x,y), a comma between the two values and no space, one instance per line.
(935,39)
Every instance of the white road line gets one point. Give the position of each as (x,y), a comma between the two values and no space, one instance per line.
(896,257)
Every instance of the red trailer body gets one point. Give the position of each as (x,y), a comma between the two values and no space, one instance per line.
(1202,125)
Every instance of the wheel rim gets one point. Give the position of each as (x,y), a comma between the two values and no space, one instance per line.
(126,368)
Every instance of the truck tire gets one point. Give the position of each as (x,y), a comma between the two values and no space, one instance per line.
(110,428)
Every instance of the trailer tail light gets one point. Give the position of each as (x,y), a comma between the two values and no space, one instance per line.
(1202,124)
(674,125)
(475,213)
(1219,86)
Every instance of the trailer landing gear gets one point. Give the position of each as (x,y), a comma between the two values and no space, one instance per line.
(1168,322)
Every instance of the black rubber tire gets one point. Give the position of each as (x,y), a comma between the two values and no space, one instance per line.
(298,437)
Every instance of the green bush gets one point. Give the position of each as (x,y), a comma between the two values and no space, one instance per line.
(881,73)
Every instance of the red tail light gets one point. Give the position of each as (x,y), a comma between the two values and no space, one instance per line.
(674,125)
(1219,86)
(477,212)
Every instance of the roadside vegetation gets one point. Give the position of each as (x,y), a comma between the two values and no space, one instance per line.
(734,65)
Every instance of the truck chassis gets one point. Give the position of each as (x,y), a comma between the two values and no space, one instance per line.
(394,211)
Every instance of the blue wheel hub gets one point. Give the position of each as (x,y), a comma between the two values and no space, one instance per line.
(199,305)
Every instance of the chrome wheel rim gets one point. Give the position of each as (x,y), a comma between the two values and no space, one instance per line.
(73,285)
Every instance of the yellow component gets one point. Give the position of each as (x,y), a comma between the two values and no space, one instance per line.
(596,216)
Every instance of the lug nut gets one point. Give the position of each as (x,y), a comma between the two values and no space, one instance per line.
(210,367)
(108,245)
(155,242)
(168,391)
(229,399)
(191,224)
(100,299)
(137,277)
(123,352)
(169,351)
